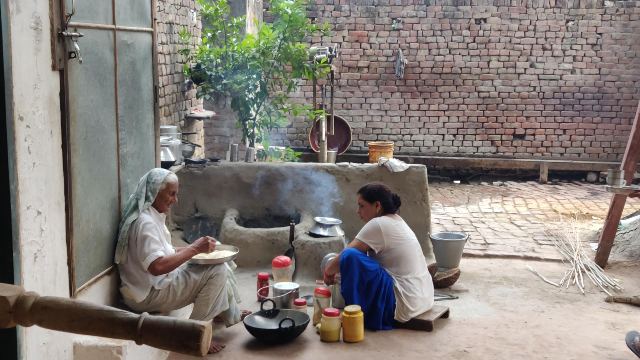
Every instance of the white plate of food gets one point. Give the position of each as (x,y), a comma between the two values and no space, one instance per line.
(221,254)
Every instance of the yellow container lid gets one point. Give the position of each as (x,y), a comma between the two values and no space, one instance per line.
(352,309)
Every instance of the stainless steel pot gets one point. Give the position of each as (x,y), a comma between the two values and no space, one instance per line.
(174,145)
(166,157)
(326,226)
(337,301)
(284,293)
(187,150)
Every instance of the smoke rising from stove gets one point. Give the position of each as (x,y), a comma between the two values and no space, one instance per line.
(306,190)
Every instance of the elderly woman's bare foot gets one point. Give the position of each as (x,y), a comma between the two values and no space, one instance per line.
(215,347)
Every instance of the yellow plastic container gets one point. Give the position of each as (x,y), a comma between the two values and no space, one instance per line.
(352,324)
(378,149)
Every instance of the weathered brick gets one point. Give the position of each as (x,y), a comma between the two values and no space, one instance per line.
(472,88)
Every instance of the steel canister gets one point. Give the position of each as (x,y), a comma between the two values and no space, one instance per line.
(337,301)
(284,293)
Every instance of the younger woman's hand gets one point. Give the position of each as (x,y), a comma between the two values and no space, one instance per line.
(329,279)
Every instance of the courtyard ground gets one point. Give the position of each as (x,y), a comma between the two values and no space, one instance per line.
(503,310)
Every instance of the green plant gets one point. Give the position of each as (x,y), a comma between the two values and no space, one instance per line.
(277,153)
(257,72)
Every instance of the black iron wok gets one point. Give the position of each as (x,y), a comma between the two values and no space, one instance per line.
(276,326)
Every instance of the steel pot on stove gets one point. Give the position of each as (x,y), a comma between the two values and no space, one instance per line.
(326,226)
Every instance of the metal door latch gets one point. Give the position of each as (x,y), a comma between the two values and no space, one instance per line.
(73,49)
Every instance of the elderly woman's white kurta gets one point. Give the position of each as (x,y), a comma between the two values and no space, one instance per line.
(209,288)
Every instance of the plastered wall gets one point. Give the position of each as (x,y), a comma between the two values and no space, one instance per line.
(35,144)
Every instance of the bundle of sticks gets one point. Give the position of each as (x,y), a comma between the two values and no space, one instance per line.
(567,241)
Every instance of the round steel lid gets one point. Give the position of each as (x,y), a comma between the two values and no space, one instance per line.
(327,220)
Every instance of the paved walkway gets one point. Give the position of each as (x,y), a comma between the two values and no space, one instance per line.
(509,218)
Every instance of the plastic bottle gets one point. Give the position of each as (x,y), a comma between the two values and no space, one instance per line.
(321,301)
(300,304)
(352,324)
(337,301)
(282,269)
(330,325)
(263,286)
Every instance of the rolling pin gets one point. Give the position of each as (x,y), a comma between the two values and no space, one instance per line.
(632,300)
(18,307)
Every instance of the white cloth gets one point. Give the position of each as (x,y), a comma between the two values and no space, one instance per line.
(149,239)
(393,164)
(140,200)
(207,287)
(397,249)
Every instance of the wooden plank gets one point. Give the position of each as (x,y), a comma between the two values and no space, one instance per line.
(424,321)
(544,173)
(458,162)
(616,206)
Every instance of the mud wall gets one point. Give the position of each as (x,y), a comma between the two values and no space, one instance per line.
(259,189)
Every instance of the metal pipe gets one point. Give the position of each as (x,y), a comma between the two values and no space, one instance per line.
(332,127)
(314,84)
(322,155)
(83,25)
(322,144)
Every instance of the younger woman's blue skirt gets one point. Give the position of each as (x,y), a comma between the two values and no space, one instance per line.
(366,283)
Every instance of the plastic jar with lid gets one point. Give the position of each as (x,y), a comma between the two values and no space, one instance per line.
(321,301)
(352,324)
(337,301)
(300,304)
(330,325)
(282,269)
(263,286)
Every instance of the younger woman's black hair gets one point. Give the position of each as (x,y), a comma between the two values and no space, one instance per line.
(389,200)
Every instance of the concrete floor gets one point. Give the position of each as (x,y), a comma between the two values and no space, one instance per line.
(504,312)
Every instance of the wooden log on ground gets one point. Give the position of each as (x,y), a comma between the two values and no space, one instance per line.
(18,307)
(631,300)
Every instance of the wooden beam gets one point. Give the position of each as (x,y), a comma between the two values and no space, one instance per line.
(19,307)
(461,162)
(544,173)
(617,203)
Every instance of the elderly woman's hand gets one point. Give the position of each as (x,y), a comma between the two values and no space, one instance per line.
(205,244)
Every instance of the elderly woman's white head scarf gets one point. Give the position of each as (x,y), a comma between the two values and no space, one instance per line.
(140,200)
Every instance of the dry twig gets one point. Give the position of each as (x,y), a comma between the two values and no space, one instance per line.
(567,241)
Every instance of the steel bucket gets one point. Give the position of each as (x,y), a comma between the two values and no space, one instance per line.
(448,247)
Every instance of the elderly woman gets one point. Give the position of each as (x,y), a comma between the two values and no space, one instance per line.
(392,284)
(154,274)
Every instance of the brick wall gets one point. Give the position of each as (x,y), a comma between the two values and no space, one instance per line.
(523,79)
(175,99)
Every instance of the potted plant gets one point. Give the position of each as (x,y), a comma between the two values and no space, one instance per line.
(258,72)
